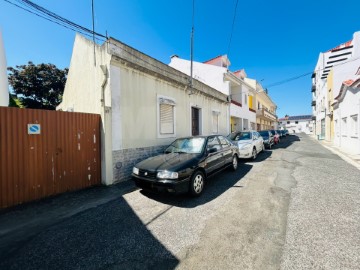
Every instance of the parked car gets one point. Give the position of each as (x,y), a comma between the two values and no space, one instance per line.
(276,136)
(267,137)
(286,132)
(281,134)
(186,164)
(250,143)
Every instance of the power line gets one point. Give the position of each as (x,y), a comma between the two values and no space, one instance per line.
(232,27)
(306,74)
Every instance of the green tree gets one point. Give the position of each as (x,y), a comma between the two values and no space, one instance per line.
(38,86)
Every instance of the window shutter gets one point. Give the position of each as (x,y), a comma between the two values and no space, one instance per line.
(166,119)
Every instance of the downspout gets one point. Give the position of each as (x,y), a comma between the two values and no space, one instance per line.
(103,85)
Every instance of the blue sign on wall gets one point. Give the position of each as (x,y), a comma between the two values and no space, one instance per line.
(34,128)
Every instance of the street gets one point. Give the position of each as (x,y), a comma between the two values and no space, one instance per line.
(295,207)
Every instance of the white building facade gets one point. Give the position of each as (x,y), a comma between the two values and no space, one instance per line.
(297,124)
(327,77)
(144,104)
(215,73)
(4,87)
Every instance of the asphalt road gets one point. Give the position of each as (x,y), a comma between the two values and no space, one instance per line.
(295,207)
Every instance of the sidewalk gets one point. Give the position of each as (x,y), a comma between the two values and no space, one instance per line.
(352,159)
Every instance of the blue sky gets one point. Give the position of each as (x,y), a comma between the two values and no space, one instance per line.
(272,40)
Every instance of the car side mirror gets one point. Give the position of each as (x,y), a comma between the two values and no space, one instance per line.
(212,150)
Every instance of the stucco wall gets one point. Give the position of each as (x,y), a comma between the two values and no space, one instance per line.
(138,109)
(4,87)
(349,106)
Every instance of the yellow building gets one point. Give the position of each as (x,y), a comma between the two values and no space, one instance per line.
(263,105)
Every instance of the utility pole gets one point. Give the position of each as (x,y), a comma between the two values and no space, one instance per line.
(192,48)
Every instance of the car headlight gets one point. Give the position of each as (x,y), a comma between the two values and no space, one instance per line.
(135,170)
(266,141)
(167,175)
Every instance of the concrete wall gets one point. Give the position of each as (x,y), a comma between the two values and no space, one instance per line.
(344,138)
(4,87)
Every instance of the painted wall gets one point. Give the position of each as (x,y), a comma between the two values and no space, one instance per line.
(205,73)
(4,87)
(344,137)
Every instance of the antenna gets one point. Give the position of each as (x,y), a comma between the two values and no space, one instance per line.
(192,48)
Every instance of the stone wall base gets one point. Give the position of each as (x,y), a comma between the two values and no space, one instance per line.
(125,160)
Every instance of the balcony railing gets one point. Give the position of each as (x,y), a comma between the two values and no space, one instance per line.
(263,113)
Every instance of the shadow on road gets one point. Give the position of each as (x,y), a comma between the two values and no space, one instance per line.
(215,186)
(107,236)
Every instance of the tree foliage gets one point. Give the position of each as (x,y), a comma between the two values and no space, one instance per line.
(38,86)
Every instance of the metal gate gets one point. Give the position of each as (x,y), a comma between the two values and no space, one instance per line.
(43,153)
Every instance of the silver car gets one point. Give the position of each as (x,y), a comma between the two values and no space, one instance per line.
(249,142)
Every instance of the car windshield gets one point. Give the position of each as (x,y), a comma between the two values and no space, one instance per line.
(273,132)
(264,133)
(239,136)
(186,145)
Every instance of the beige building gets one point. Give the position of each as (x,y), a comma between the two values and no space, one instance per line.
(144,104)
(265,108)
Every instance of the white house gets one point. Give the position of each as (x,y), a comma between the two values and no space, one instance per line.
(325,87)
(297,124)
(215,73)
(346,114)
(4,87)
(144,104)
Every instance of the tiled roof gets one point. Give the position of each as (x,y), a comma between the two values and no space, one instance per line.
(341,46)
(212,59)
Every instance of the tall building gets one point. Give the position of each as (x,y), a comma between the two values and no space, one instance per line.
(326,84)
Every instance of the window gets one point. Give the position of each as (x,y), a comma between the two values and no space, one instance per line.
(344,127)
(245,98)
(354,125)
(224,142)
(296,122)
(288,122)
(166,117)
(215,122)
(213,142)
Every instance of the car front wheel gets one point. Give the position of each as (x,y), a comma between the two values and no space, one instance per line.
(254,154)
(197,183)
(234,163)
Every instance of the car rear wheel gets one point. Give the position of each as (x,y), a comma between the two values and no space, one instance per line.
(234,163)
(197,183)
(254,154)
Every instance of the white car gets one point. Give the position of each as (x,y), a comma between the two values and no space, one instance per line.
(250,143)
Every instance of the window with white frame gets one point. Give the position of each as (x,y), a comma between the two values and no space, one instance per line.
(354,125)
(343,126)
(215,122)
(166,117)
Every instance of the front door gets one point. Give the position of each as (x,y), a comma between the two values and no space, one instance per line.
(195,121)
